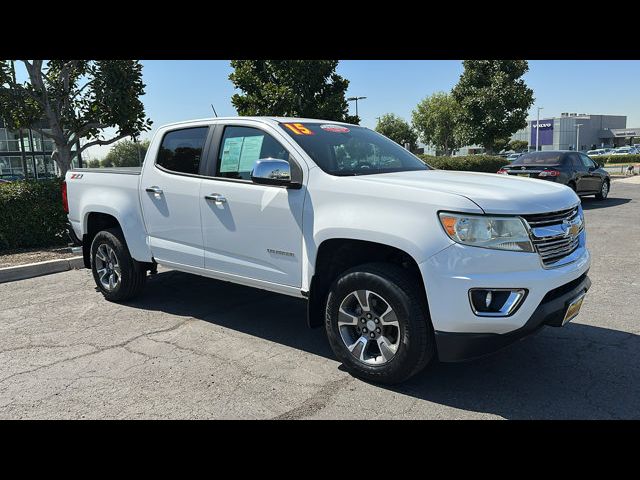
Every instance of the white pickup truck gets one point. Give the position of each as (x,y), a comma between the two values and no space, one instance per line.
(401,263)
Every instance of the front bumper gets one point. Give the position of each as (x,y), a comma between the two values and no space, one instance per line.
(455,347)
(450,274)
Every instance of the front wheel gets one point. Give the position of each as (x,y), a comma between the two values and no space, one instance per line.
(604,190)
(378,323)
(118,276)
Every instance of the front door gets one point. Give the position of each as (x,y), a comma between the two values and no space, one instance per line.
(169,194)
(591,179)
(250,230)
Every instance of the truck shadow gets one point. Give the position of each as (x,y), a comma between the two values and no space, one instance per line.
(575,372)
(590,203)
(579,371)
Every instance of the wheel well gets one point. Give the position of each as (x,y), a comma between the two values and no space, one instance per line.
(96,222)
(336,256)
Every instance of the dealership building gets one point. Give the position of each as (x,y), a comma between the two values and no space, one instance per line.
(561,133)
(26,153)
(590,131)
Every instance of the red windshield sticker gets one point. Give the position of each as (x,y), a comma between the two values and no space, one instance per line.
(298,128)
(334,128)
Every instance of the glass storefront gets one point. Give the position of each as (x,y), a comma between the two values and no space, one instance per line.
(26,150)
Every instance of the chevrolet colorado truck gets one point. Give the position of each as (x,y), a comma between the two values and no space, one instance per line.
(401,263)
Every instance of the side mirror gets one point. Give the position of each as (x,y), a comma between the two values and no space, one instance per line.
(271,171)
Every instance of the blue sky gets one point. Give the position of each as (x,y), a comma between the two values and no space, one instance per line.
(183,90)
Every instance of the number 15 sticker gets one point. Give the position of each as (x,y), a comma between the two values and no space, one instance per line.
(298,129)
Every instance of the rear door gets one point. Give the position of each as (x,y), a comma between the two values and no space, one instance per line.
(170,189)
(591,178)
(580,171)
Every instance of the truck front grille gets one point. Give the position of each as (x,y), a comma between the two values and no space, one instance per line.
(555,235)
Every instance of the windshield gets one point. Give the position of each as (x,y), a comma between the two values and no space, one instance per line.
(351,150)
(538,158)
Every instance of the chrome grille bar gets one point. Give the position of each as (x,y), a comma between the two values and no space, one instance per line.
(551,242)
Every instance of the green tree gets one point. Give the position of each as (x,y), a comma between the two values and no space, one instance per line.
(517,145)
(397,129)
(77,99)
(93,163)
(126,153)
(494,100)
(436,119)
(291,88)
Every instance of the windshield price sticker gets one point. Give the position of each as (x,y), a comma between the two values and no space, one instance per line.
(334,128)
(298,129)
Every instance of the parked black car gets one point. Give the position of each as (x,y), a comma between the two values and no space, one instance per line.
(574,169)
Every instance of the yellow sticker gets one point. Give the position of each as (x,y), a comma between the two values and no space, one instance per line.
(298,128)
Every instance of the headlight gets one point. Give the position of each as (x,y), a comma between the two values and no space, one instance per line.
(501,233)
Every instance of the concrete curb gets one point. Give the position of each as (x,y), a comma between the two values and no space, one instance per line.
(30,270)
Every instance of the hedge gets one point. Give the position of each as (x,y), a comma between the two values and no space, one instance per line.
(471,163)
(31,214)
(605,159)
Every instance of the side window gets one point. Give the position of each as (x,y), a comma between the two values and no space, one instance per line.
(586,161)
(241,147)
(181,150)
(575,160)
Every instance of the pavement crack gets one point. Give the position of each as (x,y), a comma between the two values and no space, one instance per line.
(98,350)
(316,402)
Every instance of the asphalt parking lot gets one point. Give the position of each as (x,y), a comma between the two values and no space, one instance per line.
(192,347)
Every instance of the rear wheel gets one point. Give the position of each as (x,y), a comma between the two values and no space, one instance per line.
(604,190)
(378,324)
(118,276)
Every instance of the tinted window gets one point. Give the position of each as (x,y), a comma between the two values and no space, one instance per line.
(241,147)
(539,158)
(351,150)
(575,160)
(586,161)
(181,150)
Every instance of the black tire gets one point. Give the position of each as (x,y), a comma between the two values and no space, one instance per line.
(397,287)
(133,275)
(602,195)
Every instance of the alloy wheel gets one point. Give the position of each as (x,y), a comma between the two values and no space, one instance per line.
(108,267)
(369,327)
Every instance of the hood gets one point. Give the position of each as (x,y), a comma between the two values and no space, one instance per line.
(501,194)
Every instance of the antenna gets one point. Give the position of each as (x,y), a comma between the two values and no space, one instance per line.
(214,110)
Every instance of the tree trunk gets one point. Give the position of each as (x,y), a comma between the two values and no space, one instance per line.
(62,156)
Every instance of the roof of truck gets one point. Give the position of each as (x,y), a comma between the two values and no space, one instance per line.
(269,119)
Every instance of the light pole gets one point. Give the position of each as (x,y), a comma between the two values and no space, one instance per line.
(356,100)
(538,128)
(578,125)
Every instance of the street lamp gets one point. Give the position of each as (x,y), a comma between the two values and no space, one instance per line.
(350,99)
(538,128)
(578,125)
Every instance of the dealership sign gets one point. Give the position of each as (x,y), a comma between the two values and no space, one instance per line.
(545,132)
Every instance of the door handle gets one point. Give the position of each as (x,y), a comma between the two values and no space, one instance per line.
(216,197)
(154,189)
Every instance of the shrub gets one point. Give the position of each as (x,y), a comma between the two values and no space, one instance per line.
(31,214)
(471,163)
(605,159)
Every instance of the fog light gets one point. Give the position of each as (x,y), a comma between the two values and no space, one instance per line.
(496,302)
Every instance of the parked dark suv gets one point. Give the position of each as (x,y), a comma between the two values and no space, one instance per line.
(574,169)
